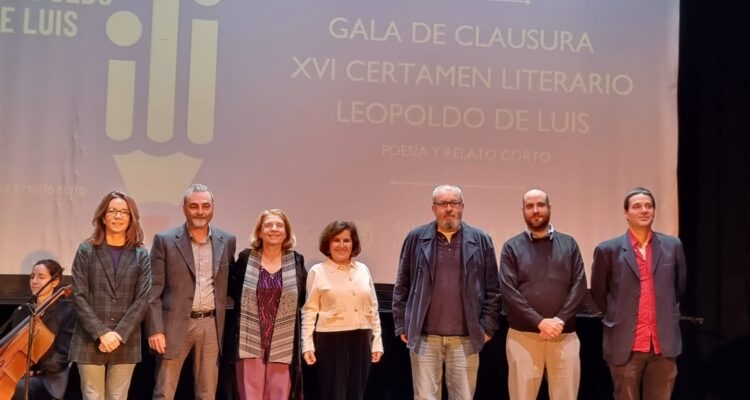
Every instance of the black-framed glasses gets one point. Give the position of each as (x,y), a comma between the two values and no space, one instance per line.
(114,211)
(454,203)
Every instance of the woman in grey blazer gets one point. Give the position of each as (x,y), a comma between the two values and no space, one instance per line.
(111,281)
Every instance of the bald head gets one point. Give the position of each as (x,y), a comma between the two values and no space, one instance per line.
(536,211)
(535,193)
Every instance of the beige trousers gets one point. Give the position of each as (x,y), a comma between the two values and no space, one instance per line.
(530,357)
(201,339)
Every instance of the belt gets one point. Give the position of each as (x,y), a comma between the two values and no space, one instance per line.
(202,314)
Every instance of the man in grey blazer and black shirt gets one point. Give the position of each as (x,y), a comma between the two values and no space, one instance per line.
(190,266)
(636,281)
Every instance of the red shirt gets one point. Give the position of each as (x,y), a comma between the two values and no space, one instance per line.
(645,326)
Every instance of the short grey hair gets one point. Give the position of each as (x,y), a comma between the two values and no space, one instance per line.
(196,188)
(452,188)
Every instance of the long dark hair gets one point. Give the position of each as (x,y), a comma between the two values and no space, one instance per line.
(134,233)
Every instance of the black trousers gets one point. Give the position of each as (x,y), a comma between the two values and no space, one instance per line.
(343,364)
(37,391)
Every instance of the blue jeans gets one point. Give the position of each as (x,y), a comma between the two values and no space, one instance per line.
(461,364)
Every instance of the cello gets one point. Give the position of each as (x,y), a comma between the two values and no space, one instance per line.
(14,346)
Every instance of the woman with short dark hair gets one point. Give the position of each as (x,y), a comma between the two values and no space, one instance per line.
(341,296)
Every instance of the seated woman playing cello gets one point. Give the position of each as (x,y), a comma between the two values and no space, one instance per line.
(49,376)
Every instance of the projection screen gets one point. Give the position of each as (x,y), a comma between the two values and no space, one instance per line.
(333,110)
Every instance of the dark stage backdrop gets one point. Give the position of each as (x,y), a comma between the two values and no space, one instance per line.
(714,189)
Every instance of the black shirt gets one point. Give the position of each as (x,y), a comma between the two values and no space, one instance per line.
(541,278)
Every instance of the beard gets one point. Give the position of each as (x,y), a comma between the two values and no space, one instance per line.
(449,225)
(537,224)
(199,222)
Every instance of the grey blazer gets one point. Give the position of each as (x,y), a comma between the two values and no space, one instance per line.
(107,301)
(616,288)
(171,297)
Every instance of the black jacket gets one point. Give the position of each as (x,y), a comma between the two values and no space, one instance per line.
(53,367)
(236,280)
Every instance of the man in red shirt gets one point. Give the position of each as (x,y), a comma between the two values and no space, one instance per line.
(636,281)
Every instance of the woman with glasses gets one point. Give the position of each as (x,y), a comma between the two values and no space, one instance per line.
(49,376)
(111,281)
(268,285)
(341,296)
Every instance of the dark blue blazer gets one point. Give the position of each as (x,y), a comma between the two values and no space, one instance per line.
(616,288)
(480,289)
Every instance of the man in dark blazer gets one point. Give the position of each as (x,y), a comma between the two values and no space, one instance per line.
(636,281)
(188,298)
(446,298)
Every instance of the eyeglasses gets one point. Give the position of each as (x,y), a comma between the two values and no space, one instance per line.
(113,212)
(454,203)
(271,225)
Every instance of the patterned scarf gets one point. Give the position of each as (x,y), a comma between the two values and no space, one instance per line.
(282,339)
